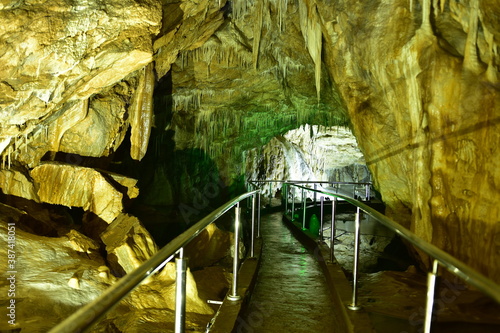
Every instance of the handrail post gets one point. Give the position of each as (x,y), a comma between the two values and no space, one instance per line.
(367,192)
(354,305)
(431,290)
(270,193)
(252,241)
(180,292)
(332,231)
(284,190)
(293,203)
(315,188)
(258,214)
(303,210)
(234,292)
(321,203)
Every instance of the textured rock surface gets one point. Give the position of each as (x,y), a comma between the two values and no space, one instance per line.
(128,244)
(62,273)
(75,186)
(55,59)
(419,80)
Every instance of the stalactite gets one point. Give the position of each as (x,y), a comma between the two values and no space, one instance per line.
(471,61)
(141,113)
(257,33)
(438,6)
(311,31)
(426,12)
(241,7)
(491,72)
(9,153)
(282,8)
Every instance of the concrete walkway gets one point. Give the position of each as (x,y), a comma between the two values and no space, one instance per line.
(291,293)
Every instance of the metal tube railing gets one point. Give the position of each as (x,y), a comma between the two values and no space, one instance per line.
(236,256)
(90,313)
(180,292)
(354,305)
(453,265)
(332,232)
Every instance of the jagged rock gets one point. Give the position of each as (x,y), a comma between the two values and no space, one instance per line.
(209,247)
(76,186)
(15,182)
(47,270)
(128,244)
(55,57)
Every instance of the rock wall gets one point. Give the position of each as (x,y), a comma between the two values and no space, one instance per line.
(420,82)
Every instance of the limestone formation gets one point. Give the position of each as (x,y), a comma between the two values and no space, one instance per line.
(75,186)
(17,183)
(419,82)
(62,273)
(128,244)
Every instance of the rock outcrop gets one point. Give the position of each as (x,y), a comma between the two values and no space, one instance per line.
(419,79)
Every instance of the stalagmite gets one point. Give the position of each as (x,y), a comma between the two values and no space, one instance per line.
(141,113)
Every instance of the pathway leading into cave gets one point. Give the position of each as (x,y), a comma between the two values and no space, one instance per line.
(290,294)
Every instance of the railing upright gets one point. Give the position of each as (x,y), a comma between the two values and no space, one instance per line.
(258,214)
(180,292)
(332,231)
(354,305)
(431,291)
(252,240)
(304,199)
(322,204)
(236,255)
(284,190)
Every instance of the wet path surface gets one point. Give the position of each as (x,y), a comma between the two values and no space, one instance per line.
(291,293)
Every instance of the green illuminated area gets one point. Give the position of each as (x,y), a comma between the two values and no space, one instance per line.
(213,106)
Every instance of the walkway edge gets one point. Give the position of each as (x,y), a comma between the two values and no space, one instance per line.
(347,321)
(227,316)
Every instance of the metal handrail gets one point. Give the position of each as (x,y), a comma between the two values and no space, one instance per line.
(90,313)
(307,182)
(452,264)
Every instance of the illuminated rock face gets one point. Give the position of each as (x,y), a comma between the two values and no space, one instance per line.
(308,153)
(420,83)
